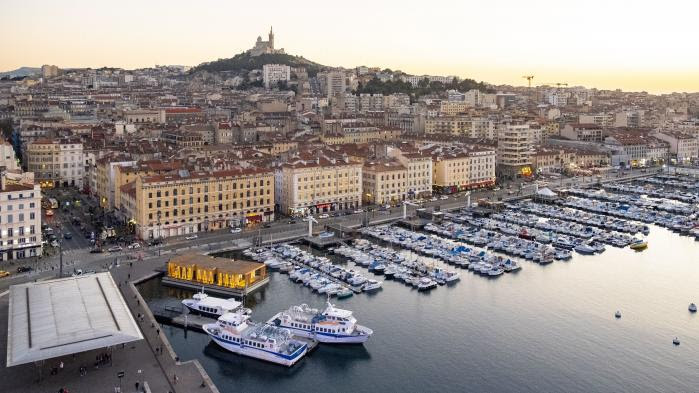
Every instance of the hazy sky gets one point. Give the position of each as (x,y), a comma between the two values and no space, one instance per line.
(633,45)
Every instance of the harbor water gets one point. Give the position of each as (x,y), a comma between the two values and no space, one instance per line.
(545,328)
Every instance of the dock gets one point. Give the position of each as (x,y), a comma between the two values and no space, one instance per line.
(322,242)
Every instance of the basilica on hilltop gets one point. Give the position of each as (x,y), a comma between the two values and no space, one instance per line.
(265,47)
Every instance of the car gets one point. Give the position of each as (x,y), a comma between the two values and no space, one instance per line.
(292,221)
(155,242)
(54,243)
(496,189)
(4,273)
(114,249)
(96,251)
(134,246)
(267,225)
(324,216)
(236,230)
(358,211)
(191,237)
(24,269)
(444,197)
(510,192)
(67,236)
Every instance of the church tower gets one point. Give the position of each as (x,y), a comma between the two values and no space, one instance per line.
(271,38)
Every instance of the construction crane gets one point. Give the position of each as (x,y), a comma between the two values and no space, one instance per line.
(529,79)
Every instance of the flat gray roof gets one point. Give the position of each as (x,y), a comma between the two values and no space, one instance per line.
(60,317)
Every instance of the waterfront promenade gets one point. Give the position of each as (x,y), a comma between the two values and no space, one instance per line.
(150,362)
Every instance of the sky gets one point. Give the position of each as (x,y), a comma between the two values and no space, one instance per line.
(638,46)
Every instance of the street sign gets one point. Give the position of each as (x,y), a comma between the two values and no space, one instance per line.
(120,374)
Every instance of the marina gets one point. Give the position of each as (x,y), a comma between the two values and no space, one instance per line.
(542,233)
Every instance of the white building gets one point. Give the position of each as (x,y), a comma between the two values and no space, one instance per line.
(20,216)
(335,83)
(272,74)
(514,154)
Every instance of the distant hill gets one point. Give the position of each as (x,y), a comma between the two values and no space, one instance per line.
(22,71)
(245,62)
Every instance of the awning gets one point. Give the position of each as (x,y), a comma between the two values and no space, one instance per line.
(65,316)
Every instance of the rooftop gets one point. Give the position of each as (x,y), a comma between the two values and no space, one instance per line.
(64,316)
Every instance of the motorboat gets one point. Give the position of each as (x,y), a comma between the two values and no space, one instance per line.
(676,341)
(371,285)
(332,325)
(639,245)
(212,307)
(692,307)
(617,314)
(236,333)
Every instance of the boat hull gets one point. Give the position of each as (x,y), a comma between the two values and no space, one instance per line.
(256,353)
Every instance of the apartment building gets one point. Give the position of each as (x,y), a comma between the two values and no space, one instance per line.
(272,74)
(582,132)
(514,150)
(452,108)
(308,184)
(105,177)
(384,182)
(189,202)
(371,134)
(129,173)
(419,165)
(683,147)
(20,216)
(470,127)
(56,162)
(8,161)
(599,119)
(462,168)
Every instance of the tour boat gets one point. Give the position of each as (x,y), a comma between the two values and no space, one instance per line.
(234,332)
(617,314)
(692,307)
(333,325)
(212,307)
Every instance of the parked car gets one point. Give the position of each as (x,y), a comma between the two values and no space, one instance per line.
(96,250)
(191,237)
(443,197)
(324,216)
(24,269)
(114,249)
(358,211)
(236,230)
(4,273)
(433,199)
(54,243)
(134,246)
(267,225)
(67,236)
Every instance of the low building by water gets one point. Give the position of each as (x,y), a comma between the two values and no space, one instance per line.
(219,275)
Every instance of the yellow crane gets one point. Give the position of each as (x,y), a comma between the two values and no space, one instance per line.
(529,79)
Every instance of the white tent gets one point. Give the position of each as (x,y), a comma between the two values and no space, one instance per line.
(64,316)
(546,193)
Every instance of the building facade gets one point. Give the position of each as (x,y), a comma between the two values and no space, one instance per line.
(56,162)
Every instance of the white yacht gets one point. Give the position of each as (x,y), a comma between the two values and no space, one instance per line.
(692,307)
(212,307)
(371,285)
(234,332)
(333,325)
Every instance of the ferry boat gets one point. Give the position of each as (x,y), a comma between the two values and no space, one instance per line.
(212,307)
(234,332)
(333,325)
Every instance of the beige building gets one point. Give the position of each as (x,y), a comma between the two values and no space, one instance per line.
(8,161)
(191,202)
(582,132)
(56,162)
(126,174)
(105,178)
(458,169)
(363,136)
(452,108)
(318,184)
(384,182)
(419,165)
(515,143)
(470,127)
(683,146)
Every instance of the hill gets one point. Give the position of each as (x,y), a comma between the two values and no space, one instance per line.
(245,62)
(22,71)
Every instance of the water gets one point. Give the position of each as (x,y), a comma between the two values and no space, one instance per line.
(542,329)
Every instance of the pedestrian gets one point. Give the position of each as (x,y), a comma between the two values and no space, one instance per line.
(128,276)
(137,386)
(157,331)
(174,378)
(60,366)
